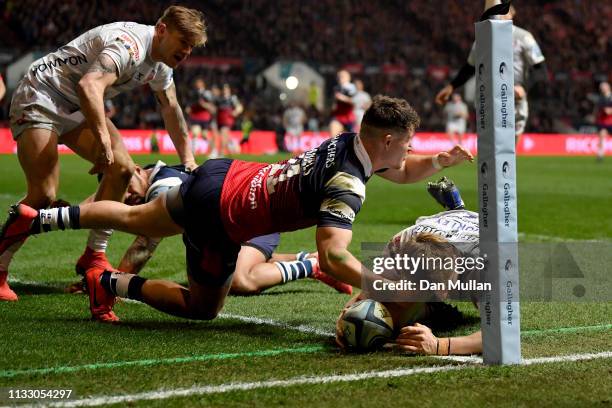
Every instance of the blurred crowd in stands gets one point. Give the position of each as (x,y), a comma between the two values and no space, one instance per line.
(402,48)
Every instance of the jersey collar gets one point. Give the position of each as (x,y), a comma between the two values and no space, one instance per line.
(156,170)
(362,155)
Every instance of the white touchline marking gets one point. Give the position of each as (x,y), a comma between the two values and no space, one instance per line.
(539,360)
(222,388)
(215,389)
(247,319)
(258,320)
(57,285)
(461,359)
(567,358)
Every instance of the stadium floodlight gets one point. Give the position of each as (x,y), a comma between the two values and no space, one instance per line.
(291,82)
(499,310)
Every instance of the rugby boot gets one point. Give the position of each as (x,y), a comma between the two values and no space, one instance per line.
(6,293)
(445,192)
(101,302)
(90,259)
(17,226)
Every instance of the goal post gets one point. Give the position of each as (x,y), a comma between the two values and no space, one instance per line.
(499,309)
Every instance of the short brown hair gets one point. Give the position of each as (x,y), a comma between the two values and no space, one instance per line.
(392,114)
(189,22)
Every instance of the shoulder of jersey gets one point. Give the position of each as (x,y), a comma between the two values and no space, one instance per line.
(132,38)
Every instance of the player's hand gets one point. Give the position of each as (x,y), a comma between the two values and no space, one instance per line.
(104,158)
(417,339)
(454,156)
(190,165)
(519,92)
(444,94)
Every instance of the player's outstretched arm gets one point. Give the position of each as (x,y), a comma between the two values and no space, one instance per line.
(90,89)
(335,258)
(419,167)
(420,340)
(138,254)
(176,125)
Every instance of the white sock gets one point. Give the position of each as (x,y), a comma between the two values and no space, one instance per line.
(98,239)
(294,270)
(52,219)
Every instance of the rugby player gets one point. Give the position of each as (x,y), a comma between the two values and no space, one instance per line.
(201,113)
(60,100)
(343,116)
(226,202)
(228,109)
(257,267)
(450,233)
(527,57)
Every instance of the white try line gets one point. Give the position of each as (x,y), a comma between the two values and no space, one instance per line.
(247,386)
(265,321)
(258,320)
(530,361)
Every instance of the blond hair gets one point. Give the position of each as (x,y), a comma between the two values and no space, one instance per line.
(188,22)
(431,246)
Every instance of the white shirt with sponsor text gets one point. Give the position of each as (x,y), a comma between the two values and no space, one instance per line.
(127,44)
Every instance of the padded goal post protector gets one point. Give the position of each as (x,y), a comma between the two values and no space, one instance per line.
(499,308)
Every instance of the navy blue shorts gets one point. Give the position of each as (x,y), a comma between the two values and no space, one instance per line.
(266,244)
(195,206)
(204,124)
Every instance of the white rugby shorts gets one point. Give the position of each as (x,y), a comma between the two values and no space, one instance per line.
(42,107)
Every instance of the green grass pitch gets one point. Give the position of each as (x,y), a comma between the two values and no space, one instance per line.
(48,342)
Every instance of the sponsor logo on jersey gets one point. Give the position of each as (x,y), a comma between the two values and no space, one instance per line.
(256,183)
(130,45)
(59,61)
(331,152)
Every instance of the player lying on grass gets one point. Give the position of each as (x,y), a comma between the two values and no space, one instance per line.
(226,202)
(450,233)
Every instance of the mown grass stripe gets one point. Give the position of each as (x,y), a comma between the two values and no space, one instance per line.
(149,362)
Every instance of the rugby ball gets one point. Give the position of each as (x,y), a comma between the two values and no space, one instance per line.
(367,325)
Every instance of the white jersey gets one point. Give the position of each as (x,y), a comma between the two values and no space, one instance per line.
(127,44)
(459,227)
(527,53)
(456,113)
(361,102)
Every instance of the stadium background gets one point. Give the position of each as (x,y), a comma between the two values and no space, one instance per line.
(417,52)
(47,340)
